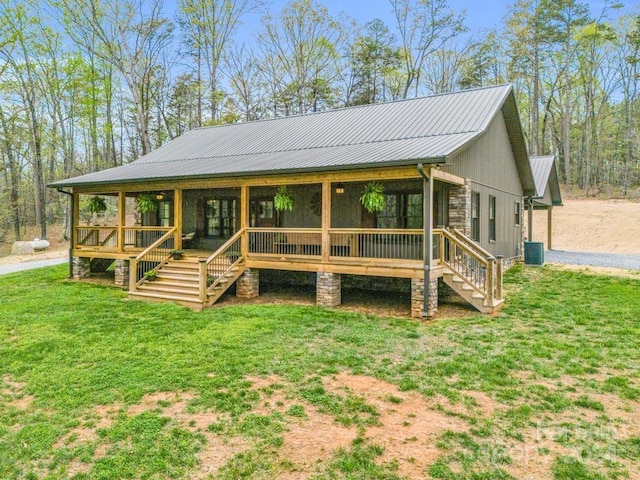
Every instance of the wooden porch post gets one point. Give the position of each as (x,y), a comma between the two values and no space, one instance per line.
(326,221)
(549,227)
(177,217)
(244,218)
(75,218)
(122,218)
(427,241)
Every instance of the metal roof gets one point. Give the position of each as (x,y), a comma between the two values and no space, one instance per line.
(546,180)
(426,129)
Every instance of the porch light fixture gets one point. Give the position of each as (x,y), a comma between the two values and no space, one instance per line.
(159,196)
(339,188)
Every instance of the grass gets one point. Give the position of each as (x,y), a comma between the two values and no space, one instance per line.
(560,367)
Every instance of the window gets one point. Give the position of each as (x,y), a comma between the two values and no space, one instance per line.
(388,218)
(492,218)
(265,209)
(221,218)
(413,202)
(164,213)
(403,210)
(475,216)
(517,217)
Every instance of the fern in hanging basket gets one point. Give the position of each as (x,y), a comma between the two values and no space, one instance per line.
(283,199)
(373,199)
(97,204)
(147,203)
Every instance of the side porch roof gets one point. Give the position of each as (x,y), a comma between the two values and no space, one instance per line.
(406,132)
(545,175)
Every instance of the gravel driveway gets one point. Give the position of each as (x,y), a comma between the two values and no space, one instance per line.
(19,267)
(593,259)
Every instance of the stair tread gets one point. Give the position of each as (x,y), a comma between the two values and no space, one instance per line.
(169,289)
(180,298)
(175,282)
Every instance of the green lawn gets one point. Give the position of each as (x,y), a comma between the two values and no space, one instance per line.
(95,386)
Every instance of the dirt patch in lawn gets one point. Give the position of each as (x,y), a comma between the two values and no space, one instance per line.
(15,392)
(407,425)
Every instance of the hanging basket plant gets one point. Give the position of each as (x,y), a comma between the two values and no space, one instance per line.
(147,203)
(373,199)
(283,201)
(97,204)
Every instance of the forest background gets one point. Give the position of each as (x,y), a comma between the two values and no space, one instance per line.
(92,84)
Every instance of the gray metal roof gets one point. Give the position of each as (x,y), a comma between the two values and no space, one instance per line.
(424,129)
(546,179)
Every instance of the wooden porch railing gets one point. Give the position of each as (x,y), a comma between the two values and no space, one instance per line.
(106,238)
(214,269)
(97,237)
(474,265)
(295,242)
(382,244)
(151,258)
(142,237)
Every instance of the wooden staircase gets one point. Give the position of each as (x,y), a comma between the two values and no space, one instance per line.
(470,271)
(179,281)
(472,294)
(190,281)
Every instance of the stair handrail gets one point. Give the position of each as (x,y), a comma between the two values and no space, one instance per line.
(471,243)
(135,259)
(220,252)
(496,263)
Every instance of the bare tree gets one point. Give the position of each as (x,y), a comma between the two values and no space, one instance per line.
(131,35)
(425,26)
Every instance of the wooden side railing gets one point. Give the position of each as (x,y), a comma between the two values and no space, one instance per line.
(214,269)
(477,267)
(151,258)
(97,237)
(142,237)
(106,238)
(390,244)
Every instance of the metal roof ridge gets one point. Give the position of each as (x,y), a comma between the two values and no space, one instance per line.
(301,149)
(352,107)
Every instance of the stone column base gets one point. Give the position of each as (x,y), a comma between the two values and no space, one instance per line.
(81,267)
(328,289)
(248,285)
(122,273)
(417,297)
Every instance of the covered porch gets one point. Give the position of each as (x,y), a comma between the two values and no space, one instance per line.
(229,229)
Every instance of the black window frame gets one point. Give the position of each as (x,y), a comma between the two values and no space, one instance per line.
(475,216)
(492,218)
(401,215)
(227,225)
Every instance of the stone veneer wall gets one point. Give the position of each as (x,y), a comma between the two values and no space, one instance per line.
(248,285)
(81,267)
(122,273)
(460,207)
(328,289)
(417,297)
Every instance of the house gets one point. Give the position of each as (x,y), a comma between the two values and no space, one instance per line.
(545,176)
(453,168)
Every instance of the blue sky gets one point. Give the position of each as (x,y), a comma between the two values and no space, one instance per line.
(481,14)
